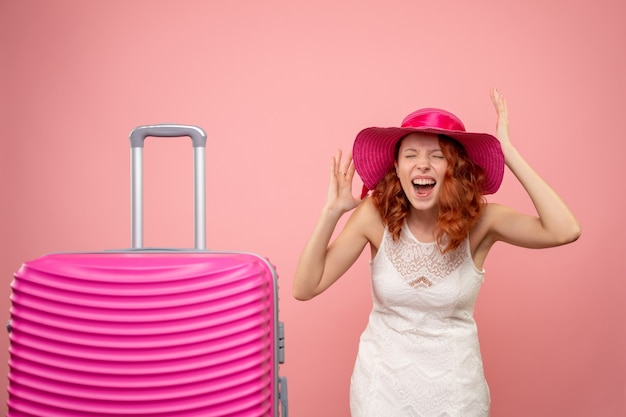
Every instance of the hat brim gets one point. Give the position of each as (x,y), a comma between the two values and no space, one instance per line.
(373,152)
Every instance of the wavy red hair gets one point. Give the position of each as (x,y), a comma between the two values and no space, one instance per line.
(460,203)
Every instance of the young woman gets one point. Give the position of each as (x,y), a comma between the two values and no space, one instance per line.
(429,230)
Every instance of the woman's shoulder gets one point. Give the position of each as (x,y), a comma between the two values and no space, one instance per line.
(488,215)
(483,233)
(367,219)
(493,212)
(367,211)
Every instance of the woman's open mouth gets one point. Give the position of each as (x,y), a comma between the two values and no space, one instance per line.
(423,186)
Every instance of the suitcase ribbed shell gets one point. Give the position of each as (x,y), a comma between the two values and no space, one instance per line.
(142,334)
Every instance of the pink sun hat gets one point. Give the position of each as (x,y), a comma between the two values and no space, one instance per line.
(373,151)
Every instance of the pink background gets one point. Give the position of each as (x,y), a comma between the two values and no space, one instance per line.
(279,85)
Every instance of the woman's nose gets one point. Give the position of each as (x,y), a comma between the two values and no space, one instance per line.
(422,163)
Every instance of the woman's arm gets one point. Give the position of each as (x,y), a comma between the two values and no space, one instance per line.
(322,264)
(554,224)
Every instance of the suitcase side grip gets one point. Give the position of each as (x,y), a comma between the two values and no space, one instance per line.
(281,342)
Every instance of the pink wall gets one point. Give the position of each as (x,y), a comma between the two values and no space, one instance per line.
(279,85)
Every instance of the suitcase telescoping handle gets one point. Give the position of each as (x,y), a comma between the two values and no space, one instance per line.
(198,139)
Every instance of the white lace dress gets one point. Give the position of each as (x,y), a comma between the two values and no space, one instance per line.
(419,354)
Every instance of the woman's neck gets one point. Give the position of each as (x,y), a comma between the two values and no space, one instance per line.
(422,224)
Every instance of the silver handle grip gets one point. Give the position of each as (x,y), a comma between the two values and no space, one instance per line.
(139,134)
(137,138)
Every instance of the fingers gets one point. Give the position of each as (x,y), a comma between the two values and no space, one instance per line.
(348,167)
(336,163)
(498,101)
(345,169)
(495,98)
(339,194)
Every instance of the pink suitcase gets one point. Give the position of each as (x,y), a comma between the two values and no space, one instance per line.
(147,332)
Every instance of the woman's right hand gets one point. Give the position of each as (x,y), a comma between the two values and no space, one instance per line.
(321,262)
(339,198)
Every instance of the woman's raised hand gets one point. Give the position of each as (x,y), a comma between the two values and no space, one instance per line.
(339,195)
(502,125)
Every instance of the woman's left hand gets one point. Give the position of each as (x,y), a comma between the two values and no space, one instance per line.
(502,125)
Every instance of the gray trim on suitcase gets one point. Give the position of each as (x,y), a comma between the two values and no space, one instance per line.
(279,348)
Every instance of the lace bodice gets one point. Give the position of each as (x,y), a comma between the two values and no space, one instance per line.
(421,264)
